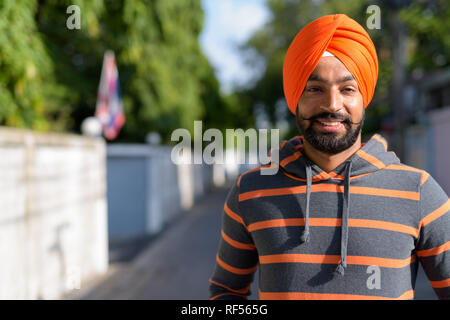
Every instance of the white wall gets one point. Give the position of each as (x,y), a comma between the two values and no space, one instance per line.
(163,191)
(53,228)
(428,147)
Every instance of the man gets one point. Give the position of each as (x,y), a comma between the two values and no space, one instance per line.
(340,219)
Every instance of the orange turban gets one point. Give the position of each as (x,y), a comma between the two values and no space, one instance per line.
(339,35)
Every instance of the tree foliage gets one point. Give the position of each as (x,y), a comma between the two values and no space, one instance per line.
(428,25)
(51,74)
(26,67)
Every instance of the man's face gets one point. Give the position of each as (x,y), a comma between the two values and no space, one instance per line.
(330,112)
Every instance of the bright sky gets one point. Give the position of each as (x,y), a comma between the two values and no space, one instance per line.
(229,23)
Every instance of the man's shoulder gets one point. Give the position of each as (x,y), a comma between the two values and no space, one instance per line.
(250,174)
(409,172)
(258,178)
(425,181)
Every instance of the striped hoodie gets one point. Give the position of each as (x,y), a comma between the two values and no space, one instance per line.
(357,232)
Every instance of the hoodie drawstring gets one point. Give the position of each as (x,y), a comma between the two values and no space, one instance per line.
(305,235)
(345,216)
(340,270)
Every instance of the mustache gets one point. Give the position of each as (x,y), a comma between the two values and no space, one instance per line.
(327,115)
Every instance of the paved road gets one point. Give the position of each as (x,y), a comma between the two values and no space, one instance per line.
(178,264)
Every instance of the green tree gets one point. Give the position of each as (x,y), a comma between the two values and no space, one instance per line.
(161,66)
(428,24)
(28,91)
(52,73)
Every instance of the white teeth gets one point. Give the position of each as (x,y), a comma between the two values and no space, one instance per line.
(331,124)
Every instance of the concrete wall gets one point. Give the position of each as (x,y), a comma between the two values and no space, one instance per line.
(428,147)
(52,213)
(416,150)
(146,190)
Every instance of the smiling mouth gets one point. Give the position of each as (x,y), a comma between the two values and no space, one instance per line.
(330,123)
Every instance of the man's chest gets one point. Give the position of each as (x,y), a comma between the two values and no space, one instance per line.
(377,226)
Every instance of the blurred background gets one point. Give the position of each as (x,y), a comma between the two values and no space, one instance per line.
(92,207)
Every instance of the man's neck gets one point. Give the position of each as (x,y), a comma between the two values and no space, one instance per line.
(328,162)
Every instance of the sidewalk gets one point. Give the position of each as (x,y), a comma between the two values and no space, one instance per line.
(178,263)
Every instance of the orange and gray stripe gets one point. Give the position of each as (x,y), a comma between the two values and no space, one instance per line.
(398,216)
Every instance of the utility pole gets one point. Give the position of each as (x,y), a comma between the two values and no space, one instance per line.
(398,79)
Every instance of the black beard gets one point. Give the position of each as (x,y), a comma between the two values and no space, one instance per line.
(329,143)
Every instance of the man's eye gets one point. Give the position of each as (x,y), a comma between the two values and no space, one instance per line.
(349,89)
(314,89)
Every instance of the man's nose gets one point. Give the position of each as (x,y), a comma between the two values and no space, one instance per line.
(333,101)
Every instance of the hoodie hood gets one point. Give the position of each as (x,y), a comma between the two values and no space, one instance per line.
(371,157)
